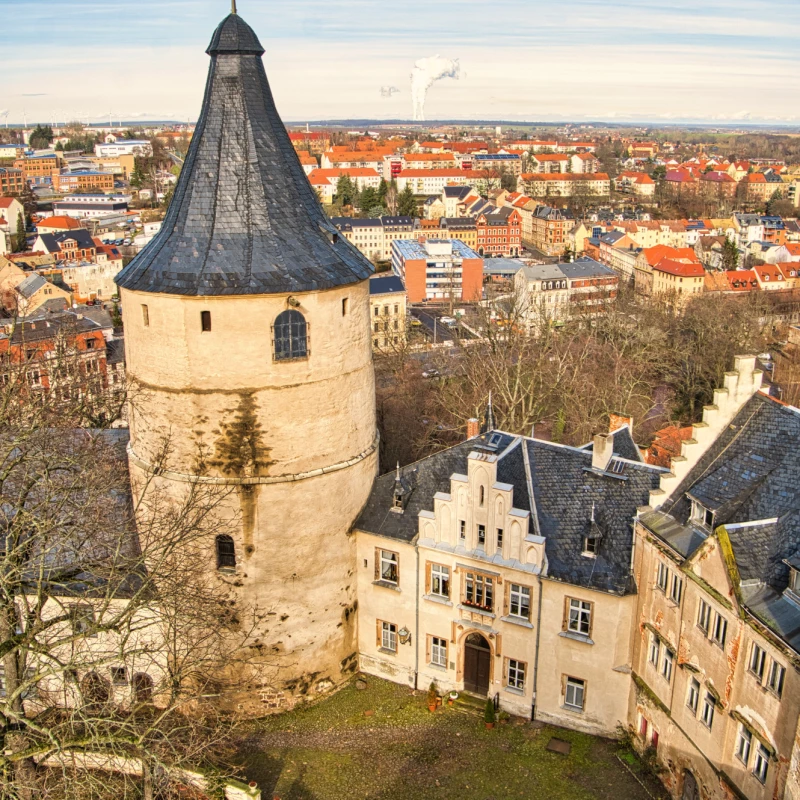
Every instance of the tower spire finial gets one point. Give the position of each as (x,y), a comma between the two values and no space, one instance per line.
(233,6)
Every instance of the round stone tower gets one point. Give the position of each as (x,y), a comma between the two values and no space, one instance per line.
(247,337)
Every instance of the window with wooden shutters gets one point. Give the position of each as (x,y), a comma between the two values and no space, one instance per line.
(579,616)
(478,590)
(519,601)
(439,581)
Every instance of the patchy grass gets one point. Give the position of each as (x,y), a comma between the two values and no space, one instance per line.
(334,750)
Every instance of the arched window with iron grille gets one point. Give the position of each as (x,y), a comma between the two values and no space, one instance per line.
(290,336)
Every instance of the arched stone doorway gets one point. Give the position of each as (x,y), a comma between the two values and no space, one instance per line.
(477,664)
(690,790)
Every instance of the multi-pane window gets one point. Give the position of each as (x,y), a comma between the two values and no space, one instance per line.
(481,533)
(519,601)
(389,636)
(662,576)
(462,529)
(575,693)
(440,580)
(761,764)
(743,744)
(590,545)
(388,566)
(719,631)
(676,589)
(478,590)
(693,698)
(579,619)
(758,658)
(666,664)
(777,673)
(499,538)
(704,616)
(707,714)
(655,649)
(290,333)
(438,651)
(515,677)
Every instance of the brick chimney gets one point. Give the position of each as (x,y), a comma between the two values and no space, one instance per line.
(473,428)
(602,451)
(617,421)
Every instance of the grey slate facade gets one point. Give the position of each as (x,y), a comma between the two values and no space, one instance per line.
(243,219)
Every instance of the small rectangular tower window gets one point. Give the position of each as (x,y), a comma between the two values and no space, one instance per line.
(205,321)
(145,316)
(344,306)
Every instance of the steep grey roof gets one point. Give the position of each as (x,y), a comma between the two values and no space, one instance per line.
(31,285)
(244,218)
(749,478)
(566,490)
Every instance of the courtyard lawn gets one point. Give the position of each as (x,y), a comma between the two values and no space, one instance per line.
(382,743)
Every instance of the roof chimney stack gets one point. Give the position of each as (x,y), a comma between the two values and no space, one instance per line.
(473,428)
(602,451)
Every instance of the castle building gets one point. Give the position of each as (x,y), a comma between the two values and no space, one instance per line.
(247,329)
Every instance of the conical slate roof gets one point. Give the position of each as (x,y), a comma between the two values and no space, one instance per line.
(244,218)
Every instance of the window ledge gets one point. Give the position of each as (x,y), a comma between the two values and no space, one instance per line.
(476,610)
(578,637)
(387,651)
(514,690)
(387,585)
(523,623)
(572,709)
(437,666)
(435,598)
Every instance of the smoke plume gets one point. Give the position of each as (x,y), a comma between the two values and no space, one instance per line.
(425,73)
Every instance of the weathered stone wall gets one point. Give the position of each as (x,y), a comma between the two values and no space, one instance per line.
(295,442)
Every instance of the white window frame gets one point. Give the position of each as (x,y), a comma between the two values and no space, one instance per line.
(757,662)
(693,696)
(516,594)
(676,589)
(515,674)
(389,558)
(704,616)
(744,744)
(719,632)
(389,636)
(574,688)
(707,713)
(776,678)
(579,616)
(654,655)
(761,763)
(440,574)
(667,663)
(438,651)
(662,576)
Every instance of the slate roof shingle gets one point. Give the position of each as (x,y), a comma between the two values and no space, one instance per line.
(244,218)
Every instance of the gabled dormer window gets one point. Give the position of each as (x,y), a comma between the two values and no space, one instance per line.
(590,544)
(702,516)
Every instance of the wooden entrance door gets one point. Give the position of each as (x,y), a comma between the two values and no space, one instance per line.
(690,790)
(477,660)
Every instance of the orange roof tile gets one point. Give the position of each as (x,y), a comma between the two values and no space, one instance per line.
(680,268)
(62,222)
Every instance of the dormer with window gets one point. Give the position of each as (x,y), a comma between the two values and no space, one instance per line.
(702,517)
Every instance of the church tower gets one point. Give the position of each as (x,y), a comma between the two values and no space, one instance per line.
(247,336)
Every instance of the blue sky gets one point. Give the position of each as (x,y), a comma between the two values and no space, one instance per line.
(720,60)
